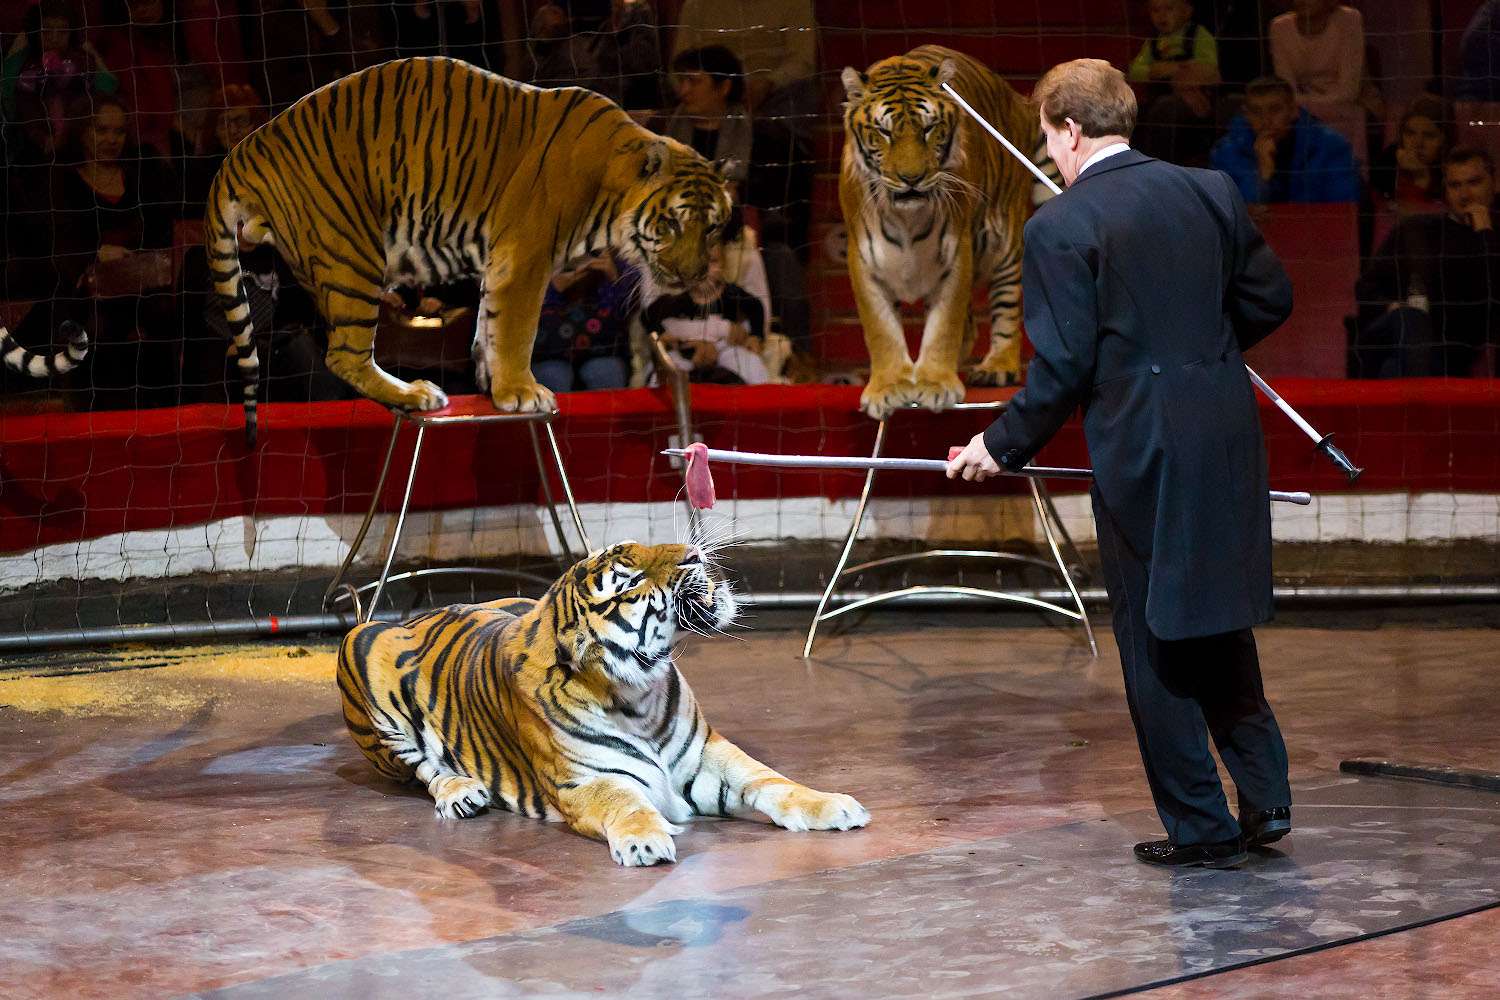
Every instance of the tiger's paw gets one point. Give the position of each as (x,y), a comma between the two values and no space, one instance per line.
(642,840)
(880,398)
(458,797)
(980,375)
(805,809)
(423,395)
(523,397)
(938,393)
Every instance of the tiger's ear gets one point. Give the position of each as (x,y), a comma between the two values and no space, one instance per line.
(854,83)
(635,161)
(658,155)
(942,72)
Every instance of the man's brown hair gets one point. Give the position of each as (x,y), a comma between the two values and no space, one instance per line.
(1092,93)
(1263,86)
(1464,154)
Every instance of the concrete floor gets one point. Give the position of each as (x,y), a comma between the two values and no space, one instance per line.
(197,822)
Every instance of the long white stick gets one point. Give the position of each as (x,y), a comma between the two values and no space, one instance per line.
(909,465)
(1026,161)
(1324,444)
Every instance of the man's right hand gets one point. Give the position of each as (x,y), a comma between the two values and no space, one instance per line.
(1477,216)
(1265,153)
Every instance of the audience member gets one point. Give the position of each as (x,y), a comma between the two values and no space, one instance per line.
(1277,152)
(140,42)
(583,336)
(237,111)
(1479,50)
(488,33)
(775,41)
(1179,67)
(1319,48)
(1409,172)
(608,46)
(714,333)
(1430,296)
(49,64)
(762,161)
(95,249)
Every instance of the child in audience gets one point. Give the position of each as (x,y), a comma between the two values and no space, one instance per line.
(715,332)
(1180,67)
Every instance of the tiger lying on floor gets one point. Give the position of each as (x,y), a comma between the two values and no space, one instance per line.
(28,362)
(570,708)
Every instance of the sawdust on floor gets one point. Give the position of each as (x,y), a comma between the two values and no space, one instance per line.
(137,678)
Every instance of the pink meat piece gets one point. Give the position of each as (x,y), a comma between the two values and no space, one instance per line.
(700,482)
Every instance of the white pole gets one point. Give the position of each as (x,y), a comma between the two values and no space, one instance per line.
(992,130)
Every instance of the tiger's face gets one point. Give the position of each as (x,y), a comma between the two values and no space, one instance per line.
(903,130)
(680,218)
(628,602)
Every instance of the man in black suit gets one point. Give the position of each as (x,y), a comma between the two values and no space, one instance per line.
(1142,284)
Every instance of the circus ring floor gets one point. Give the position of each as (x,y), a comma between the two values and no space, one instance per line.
(196,822)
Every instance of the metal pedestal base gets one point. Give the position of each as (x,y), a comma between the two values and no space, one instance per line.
(339,590)
(1052,528)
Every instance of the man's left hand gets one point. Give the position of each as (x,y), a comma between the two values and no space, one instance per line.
(974,463)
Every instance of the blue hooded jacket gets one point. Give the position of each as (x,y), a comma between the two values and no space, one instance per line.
(1322,164)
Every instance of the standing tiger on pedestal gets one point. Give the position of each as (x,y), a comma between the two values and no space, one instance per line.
(933,204)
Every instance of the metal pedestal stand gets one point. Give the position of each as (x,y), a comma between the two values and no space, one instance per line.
(1047,516)
(463,411)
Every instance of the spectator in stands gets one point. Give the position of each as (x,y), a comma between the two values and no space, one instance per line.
(608,46)
(488,33)
(775,41)
(764,165)
(49,64)
(140,43)
(1319,48)
(96,247)
(237,111)
(1430,296)
(296,45)
(1479,50)
(716,333)
(1277,152)
(1179,68)
(1409,172)
(583,337)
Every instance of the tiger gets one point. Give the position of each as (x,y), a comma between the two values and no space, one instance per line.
(21,359)
(422,170)
(570,708)
(932,203)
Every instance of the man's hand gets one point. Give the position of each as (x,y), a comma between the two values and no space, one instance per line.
(1477,216)
(1265,153)
(974,462)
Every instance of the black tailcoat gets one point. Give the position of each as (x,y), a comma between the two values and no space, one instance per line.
(1142,284)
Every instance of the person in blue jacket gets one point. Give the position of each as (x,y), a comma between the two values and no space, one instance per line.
(1143,283)
(1277,152)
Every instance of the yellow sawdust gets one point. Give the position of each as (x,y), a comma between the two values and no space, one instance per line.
(192,676)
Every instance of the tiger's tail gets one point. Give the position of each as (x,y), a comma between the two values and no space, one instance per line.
(28,362)
(221,224)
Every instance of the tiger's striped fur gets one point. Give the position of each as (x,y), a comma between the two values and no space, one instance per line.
(418,171)
(28,362)
(570,708)
(932,203)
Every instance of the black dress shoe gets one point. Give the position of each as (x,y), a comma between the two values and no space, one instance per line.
(1264,826)
(1224,854)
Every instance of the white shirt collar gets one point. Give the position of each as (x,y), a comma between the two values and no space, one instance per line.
(1099,154)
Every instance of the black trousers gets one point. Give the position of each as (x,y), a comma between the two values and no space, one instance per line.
(1182,694)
